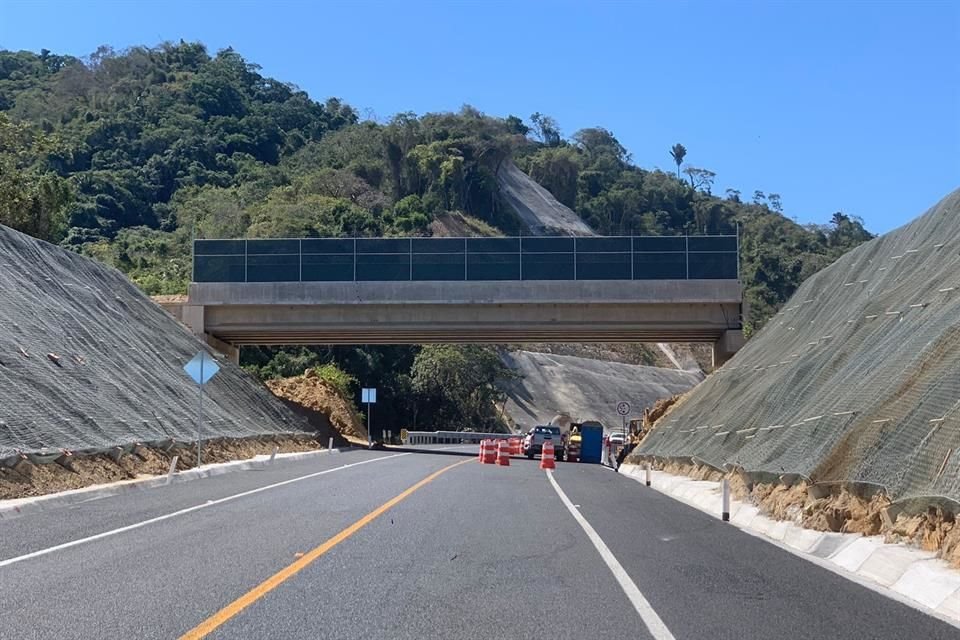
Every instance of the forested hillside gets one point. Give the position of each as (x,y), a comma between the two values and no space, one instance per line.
(126,156)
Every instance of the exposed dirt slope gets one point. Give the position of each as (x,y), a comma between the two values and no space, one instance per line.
(25,479)
(323,407)
(837,508)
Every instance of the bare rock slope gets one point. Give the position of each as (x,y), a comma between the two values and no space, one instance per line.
(585,388)
(537,208)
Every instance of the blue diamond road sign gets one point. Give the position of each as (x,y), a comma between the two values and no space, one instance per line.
(202,367)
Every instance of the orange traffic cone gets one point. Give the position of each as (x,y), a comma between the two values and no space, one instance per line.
(503,454)
(516,446)
(490,453)
(546,457)
(483,448)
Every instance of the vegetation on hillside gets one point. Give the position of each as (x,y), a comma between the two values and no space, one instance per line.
(430,387)
(127,156)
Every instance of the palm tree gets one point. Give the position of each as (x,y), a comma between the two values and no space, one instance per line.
(678,152)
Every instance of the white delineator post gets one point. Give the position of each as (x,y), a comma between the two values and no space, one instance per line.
(330,444)
(725,498)
(647,471)
(173,469)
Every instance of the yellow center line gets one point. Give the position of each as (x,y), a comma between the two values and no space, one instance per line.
(231,610)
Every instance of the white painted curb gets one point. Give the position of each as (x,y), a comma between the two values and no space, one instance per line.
(903,573)
(14,508)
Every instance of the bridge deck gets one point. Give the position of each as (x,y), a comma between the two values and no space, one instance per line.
(489,312)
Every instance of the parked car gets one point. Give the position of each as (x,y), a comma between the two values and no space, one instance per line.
(533,443)
(617,438)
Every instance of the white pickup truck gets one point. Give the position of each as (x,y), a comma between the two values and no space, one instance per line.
(533,442)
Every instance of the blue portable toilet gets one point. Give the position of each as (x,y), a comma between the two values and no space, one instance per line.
(591,442)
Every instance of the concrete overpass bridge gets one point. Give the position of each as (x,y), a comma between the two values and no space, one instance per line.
(477,290)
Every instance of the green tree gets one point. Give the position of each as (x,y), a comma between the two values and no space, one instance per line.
(32,200)
(775,203)
(597,141)
(678,152)
(546,129)
(700,178)
(458,383)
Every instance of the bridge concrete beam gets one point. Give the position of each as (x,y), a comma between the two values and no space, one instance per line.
(447,292)
(492,323)
(467,312)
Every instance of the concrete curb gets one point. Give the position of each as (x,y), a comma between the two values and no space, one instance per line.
(903,573)
(10,509)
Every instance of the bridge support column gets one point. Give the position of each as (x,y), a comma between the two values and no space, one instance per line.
(729,343)
(193,317)
(231,352)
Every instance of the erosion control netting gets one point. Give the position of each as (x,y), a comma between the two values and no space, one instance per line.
(114,376)
(856,380)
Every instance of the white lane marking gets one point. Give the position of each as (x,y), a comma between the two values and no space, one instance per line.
(655,625)
(208,503)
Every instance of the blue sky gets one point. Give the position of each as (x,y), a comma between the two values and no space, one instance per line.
(851,106)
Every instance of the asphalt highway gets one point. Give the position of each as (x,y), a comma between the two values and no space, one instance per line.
(418,545)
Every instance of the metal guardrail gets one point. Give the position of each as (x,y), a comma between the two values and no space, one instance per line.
(467,259)
(452,437)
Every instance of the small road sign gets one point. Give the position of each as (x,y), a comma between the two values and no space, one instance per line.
(623,408)
(201,368)
(368,396)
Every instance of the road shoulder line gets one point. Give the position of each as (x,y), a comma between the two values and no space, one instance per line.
(653,622)
(180,512)
(921,576)
(16,507)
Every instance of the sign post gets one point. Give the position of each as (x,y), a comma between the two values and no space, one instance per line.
(201,368)
(369,397)
(623,408)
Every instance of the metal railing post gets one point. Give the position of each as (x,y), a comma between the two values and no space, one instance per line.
(521,257)
(411,259)
(354,259)
(738,252)
(632,259)
(300,256)
(574,257)
(466,275)
(686,253)
(245,243)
